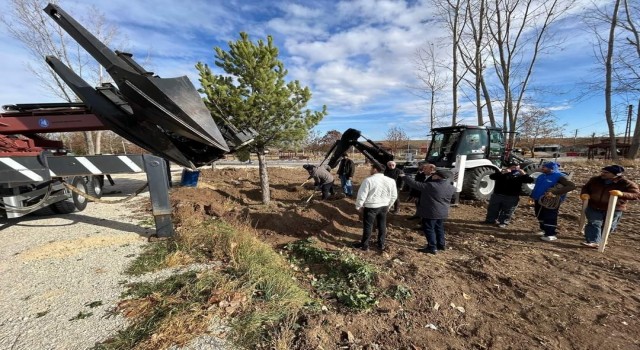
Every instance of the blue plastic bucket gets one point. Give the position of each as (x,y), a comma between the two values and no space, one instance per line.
(189,178)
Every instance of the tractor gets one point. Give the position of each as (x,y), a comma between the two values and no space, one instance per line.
(486,151)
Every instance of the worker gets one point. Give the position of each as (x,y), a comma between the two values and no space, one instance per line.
(506,193)
(376,194)
(395,174)
(346,170)
(548,196)
(610,182)
(323,180)
(425,170)
(436,194)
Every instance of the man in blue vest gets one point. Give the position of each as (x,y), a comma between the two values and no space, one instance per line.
(548,193)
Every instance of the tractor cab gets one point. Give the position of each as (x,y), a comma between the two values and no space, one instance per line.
(476,142)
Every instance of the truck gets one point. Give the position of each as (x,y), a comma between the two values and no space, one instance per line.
(164,116)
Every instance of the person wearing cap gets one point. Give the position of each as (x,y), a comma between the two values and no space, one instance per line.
(375,196)
(610,182)
(436,194)
(346,170)
(394,173)
(323,180)
(506,194)
(553,185)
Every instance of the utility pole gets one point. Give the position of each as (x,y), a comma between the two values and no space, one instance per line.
(627,130)
(575,139)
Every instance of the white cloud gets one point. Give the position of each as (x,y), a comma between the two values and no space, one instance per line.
(356,56)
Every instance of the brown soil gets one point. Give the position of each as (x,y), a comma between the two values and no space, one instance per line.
(515,291)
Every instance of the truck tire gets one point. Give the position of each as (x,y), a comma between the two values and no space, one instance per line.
(477,185)
(530,169)
(76,201)
(95,184)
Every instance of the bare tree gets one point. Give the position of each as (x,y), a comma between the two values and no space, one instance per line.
(327,141)
(432,79)
(472,50)
(537,123)
(396,138)
(450,12)
(609,80)
(29,24)
(520,32)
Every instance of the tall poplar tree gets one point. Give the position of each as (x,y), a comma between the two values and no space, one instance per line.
(253,94)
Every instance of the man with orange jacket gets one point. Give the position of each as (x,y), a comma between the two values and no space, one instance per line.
(597,191)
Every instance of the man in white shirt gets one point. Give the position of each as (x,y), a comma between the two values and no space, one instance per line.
(376,194)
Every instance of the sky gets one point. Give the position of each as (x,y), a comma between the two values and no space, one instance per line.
(357,57)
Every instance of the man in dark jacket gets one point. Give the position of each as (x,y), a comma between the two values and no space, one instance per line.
(346,169)
(424,171)
(506,194)
(550,188)
(323,180)
(397,175)
(435,198)
(597,191)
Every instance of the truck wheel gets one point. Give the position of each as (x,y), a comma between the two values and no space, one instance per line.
(76,201)
(79,201)
(530,169)
(95,184)
(477,185)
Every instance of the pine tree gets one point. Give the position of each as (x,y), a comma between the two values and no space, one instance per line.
(254,94)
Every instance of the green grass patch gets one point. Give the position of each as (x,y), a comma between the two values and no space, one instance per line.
(255,294)
(151,259)
(399,292)
(346,277)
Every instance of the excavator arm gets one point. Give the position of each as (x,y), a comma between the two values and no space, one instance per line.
(372,151)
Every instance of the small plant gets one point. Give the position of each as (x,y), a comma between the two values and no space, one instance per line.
(81,315)
(147,223)
(400,293)
(349,278)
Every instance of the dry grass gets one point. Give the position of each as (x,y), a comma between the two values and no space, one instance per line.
(256,294)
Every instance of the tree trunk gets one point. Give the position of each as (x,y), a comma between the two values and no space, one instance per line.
(88,139)
(487,99)
(609,79)
(264,177)
(98,144)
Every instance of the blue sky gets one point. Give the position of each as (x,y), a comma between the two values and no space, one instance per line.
(356,56)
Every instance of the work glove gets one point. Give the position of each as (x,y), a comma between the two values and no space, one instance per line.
(549,195)
(585,197)
(615,193)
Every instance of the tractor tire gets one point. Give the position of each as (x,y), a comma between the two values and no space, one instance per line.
(95,184)
(477,185)
(530,169)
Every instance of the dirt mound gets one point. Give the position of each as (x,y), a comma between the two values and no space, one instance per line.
(493,288)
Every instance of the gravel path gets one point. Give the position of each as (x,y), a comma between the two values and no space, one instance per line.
(60,275)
